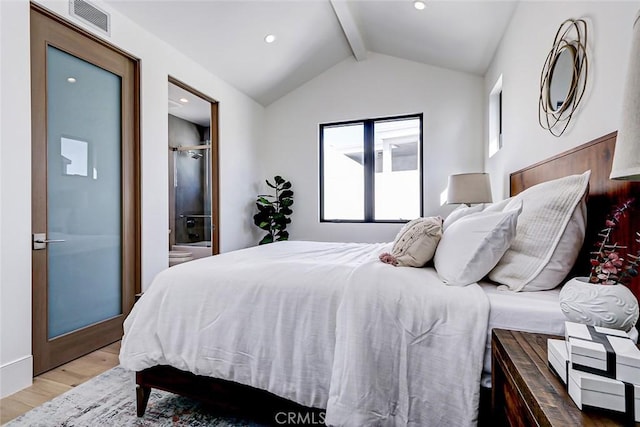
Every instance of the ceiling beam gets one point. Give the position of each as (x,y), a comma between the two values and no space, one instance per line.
(350,28)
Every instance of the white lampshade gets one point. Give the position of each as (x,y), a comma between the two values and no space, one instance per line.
(469,188)
(626,158)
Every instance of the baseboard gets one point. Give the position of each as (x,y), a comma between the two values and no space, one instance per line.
(16,375)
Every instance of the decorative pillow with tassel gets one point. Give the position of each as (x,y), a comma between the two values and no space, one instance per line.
(416,243)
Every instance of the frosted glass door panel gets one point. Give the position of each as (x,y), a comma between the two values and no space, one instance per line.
(84,193)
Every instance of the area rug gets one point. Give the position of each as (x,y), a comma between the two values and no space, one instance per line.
(109,400)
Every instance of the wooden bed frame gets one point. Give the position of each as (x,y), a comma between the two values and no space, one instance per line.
(604,195)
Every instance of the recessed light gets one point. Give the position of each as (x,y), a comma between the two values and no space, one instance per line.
(269,38)
(419,5)
(184,100)
(71,79)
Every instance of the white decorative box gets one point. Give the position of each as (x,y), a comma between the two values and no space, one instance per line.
(558,358)
(593,390)
(603,351)
(596,391)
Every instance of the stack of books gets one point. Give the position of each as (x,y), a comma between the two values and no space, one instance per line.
(600,367)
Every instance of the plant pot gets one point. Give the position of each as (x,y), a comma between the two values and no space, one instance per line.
(610,306)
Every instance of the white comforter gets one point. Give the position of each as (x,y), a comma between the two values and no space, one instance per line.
(323,324)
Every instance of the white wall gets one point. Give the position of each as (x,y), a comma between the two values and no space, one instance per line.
(520,58)
(452,103)
(241,124)
(15,198)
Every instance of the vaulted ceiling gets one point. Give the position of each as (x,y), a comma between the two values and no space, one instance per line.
(228,37)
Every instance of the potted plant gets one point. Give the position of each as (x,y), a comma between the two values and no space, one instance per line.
(603,299)
(274,210)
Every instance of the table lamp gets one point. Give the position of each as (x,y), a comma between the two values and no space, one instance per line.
(469,188)
(626,158)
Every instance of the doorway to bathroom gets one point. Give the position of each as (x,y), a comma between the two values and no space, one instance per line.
(193,174)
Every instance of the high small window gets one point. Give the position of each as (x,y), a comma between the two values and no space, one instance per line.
(371,170)
(495,118)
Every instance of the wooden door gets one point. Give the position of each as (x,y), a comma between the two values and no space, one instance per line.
(85,190)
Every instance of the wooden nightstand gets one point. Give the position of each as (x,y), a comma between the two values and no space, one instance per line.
(525,392)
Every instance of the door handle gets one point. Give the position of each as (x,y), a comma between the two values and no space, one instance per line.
(40,240)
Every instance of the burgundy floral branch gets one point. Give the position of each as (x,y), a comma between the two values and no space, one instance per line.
(632,267)
(607,265)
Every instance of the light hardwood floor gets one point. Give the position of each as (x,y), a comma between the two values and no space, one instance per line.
(55,382)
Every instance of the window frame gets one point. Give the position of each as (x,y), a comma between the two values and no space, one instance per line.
(369,167)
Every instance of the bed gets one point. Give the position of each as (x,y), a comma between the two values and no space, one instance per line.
(356,345)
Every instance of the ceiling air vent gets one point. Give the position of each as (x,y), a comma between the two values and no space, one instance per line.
(91,15)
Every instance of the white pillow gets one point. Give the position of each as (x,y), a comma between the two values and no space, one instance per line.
(473,245)
(550,234)
(464,210)
(497,206)
(416,242)
(460,212)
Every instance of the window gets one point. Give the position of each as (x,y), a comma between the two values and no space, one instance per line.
(495,118)
(371,170)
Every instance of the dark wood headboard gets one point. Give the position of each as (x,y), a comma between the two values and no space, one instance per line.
(604,194)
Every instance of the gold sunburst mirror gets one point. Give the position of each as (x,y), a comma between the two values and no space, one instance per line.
(564,77)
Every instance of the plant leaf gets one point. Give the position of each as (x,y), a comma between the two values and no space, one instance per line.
(283,235)
(265,209)
(266,239)
(285,194)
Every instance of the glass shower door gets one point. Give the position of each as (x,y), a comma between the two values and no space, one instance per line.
(192,187)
